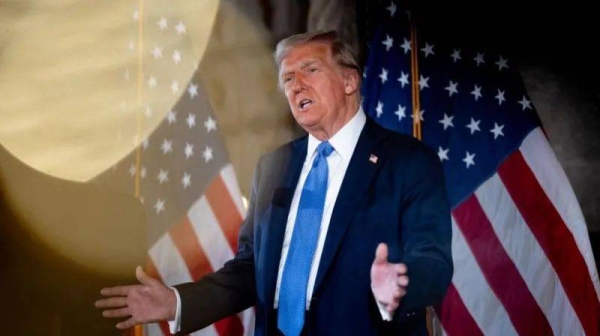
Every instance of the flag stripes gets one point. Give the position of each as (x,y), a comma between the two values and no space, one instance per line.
(475,292)
(522,247)
(499,270)
(453,308)
(537,280)
(202,242)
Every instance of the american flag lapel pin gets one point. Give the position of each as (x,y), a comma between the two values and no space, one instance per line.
(373,158)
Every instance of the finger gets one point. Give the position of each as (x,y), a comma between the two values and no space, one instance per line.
(121,312)
(381,254)
(144,278)
(116,291)
(392,307)
(112,302)
(403,280)
(400,269)
(126,324)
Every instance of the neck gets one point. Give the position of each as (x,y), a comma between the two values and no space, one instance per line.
(342,117)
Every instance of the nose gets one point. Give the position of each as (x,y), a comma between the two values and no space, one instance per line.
(298,84)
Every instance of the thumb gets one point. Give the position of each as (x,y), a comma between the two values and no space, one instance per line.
(144,278)
(381,254)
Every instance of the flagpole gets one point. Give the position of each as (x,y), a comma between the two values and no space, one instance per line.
(415,80)
(138,330)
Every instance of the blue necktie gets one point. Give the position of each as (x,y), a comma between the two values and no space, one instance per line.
(294,281)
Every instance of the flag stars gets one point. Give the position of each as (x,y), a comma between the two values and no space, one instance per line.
(180,28)
(210,124)
(500,97)
(143,172)
(451,88)
(392,9)
(136,15)
(525,103)
(443,154)
(131,45)
(403,79)
(447,121)
(162,23)
(193,90)
(157,52)
(476,92)
(148,112)
(152,82)
(383,75)
(406,46)
(189,150)
(423,82)
(191,120)
(421,115)
(177,56)
(132,170)
(469,159)
(379,109)
(479,59)
(159,206)
(400,112)
(145,144)
(166,146)
(474,125)
(163,176)
(455,55)
(174,87)
(207,154)
(428,49)
(502,63)
(186,180)
(497,130)
(388,43)
(171,117)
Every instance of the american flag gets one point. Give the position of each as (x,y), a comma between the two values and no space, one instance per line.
(187,184)
(521,251)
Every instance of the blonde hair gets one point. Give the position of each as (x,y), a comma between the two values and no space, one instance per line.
(341,51)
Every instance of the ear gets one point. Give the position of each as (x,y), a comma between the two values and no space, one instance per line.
(350,81)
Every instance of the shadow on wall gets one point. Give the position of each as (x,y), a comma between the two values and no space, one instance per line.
(571,118)
(60,242)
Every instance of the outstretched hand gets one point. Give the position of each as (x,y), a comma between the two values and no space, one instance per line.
(148,302)
(388,281)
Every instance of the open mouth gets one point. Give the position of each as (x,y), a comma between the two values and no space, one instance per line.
(304,104)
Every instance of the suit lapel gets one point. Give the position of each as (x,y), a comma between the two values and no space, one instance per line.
(358,177)
(280,208)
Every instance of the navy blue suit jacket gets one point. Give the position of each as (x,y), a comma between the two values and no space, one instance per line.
(400,200)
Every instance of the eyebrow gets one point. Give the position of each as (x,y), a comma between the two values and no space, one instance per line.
(302,66)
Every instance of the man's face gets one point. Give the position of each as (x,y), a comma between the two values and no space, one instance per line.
(314,85)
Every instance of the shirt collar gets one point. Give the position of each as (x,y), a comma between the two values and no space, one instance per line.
(344,141)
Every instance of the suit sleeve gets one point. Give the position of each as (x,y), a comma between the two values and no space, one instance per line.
(227,291)
(426,234)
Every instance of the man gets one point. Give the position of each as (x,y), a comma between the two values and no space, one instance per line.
(348,228)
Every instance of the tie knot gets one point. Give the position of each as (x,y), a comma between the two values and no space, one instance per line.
(324,149)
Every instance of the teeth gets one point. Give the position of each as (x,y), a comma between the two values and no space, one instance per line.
(305,103)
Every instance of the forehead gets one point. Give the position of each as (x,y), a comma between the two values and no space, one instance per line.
(312,51)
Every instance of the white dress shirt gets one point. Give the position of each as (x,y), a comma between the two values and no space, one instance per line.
(343,143)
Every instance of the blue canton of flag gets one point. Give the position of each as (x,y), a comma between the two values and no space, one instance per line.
(474,108)
(521,251)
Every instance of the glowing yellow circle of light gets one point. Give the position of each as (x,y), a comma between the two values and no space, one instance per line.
(75,78)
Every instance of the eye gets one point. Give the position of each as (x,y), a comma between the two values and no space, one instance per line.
(287,79)
(312,69)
